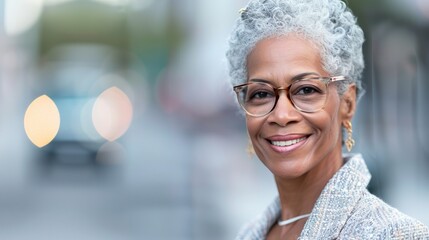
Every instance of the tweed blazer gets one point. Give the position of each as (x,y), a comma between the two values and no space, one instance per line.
(344,210)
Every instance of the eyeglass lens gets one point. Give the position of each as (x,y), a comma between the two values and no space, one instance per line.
(260,98)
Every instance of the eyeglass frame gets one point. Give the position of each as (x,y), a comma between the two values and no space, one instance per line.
(326,80)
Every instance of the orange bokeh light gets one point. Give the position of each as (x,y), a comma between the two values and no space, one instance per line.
(42,121)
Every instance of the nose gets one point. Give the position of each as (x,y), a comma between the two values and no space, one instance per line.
(284,112)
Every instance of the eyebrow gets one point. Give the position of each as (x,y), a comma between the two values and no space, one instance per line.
(303,75)
(295,78)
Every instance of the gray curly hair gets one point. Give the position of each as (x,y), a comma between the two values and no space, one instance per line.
(327,23)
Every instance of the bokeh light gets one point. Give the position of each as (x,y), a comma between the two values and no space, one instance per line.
(21,15)
(112,113)
(42,121)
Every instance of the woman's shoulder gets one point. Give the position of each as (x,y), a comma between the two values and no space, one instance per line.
(374,219)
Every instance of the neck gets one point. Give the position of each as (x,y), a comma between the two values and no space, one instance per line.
(298,198)
(298,195)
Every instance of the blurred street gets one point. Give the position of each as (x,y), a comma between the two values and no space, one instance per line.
(174,165)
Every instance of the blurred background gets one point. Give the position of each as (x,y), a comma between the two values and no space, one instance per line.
(151,144)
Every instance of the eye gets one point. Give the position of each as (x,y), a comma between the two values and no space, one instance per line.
(306,90)
(260,94)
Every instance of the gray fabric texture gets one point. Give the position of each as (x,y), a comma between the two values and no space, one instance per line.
(345,210)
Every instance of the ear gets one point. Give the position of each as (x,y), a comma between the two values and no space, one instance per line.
(348,103)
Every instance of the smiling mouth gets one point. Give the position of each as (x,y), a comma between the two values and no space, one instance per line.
(288,142)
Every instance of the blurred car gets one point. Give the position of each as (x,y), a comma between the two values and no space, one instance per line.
(73,76)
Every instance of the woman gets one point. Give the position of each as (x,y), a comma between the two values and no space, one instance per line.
(296,68)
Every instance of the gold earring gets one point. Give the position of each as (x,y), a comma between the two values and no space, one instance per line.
(350,142)
(250,149)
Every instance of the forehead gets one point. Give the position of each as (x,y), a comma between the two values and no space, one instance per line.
(284,57)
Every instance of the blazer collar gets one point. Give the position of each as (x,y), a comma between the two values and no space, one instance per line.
(338,199)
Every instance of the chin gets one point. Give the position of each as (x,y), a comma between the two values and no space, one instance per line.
(288,173)
(287,168)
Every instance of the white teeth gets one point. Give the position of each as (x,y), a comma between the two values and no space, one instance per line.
(287,143)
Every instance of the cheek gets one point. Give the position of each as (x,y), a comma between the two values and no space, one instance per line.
(327,121)
(331,125)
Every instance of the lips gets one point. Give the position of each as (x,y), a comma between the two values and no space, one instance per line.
(287,143)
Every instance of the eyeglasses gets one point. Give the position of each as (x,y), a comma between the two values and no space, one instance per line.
(309,94)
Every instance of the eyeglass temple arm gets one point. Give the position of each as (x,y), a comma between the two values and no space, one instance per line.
(337,78)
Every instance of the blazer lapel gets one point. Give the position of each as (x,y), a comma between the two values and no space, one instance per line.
(337,200)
